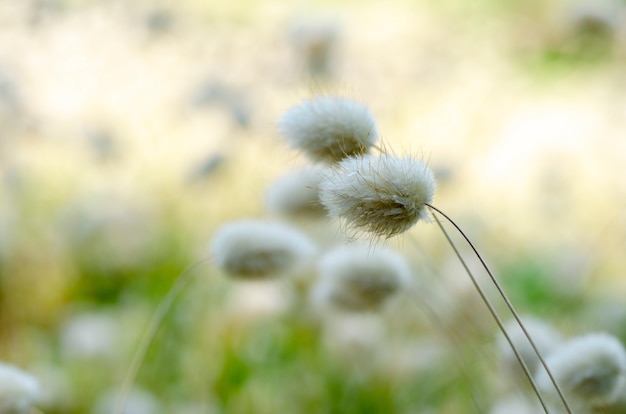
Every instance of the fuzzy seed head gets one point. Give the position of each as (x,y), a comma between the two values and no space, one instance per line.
(545,337)
(515,404)
(297,194)
(384,195)
(18,390)
(258,249)
(358,278)
(329,129)
(590,369)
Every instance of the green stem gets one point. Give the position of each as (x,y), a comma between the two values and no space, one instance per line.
(153,326)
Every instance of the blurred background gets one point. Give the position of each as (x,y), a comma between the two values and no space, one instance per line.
(130,131)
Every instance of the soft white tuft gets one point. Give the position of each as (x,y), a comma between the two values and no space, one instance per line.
(383,195)
(590,370)
(297,194)
(258,249)
(18,390)
(138,401)
(90,335)
(545,337)
(328,128)
(515,404)
(359,278)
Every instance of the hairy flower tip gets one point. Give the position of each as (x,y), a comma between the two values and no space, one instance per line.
(18,390)
(383,195)
(545,337)
(359,278)
(590,370)
(329,128)
(297,194)
(258,249)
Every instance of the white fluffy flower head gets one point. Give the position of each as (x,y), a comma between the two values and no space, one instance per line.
(257,249)
(382,195)
(18,390)
(590,369)
(328,128)
(359,278)
(545,337)
(297,194)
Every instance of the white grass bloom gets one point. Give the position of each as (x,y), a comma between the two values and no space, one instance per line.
(384,195)
(297,194)
(359,278)
(545,337)
(259,249)
(595,16)
(139,401)
(329,129)
(90,335)
(18,390)
(515,404)
(590,369)
(315,41)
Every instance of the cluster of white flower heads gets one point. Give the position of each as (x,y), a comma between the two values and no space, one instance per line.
(329,129)
(360,278)
(260,249)
(382,195)
(19,390)
(590,369)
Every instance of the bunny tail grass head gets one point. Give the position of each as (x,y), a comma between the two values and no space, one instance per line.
(297,194)
(329,129)
(381,195)
(259,249)
(590,369)
(546,339)
(358,278)
(18,390)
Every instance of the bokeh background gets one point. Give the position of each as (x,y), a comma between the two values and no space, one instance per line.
(130,131)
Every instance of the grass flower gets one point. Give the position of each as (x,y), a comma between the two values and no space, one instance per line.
(89,335)
(18,390)
(591,370)
(329,129)
(358,278)
(139,402)
(315,42)
(515,404)
(384,195)
(546,339)
(297,194)
(258,249)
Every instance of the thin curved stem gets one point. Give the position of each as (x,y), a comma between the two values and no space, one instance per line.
(153,326)
(509,305)
(449,335)
(493,312)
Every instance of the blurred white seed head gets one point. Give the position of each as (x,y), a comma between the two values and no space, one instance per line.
(545,337)
(328,128)
(515,404)
(90,335)
(138,402)
(259,249)
(383,195)
(315,41)
(359,278)
(297,194)
(590,370)
(595,16)
(18,390)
